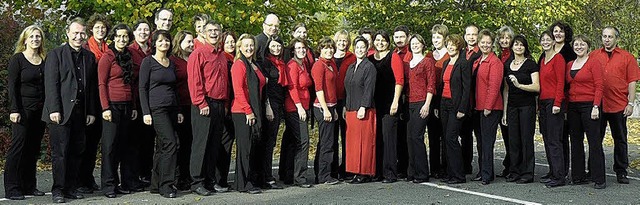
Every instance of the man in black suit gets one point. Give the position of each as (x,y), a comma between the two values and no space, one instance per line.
(70,106)
(270,28)
(471,124)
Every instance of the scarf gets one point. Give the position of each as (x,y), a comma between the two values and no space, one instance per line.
(255,99)
(123,59)
(95,48)
(279,64)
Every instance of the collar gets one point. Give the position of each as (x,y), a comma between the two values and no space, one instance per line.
(210,48)
(402,50)
(474,50)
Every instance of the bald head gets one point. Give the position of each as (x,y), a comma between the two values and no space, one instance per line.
(271,25)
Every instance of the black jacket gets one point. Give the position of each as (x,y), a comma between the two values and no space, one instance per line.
(460,84)
(360,85)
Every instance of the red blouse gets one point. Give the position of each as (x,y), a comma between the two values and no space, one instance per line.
(552,79)
(241,99)
(299,83)
(446,91)
(488,82)
(181,80)
(587,85)
(349,58)
(111,82)
(325,80)
(422,80)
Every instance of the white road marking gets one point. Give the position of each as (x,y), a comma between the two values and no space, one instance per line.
(502,198)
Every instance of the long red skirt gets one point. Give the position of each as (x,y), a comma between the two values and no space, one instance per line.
(361,143)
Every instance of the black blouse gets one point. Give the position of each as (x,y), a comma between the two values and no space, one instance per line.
(26,84)
(518,97)
(274,91)
(385,83)
(157,85)
(359,85)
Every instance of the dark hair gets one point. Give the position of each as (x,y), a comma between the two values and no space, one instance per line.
(78,20)
(95,18)
(358,39)
(292,46)
(229,33)
(568,31)
(384,35)
(617,31)
(156,36)
(326,42)
(420,39)
(456,40)
(584,38)
(547,32)
(520,38)
(121,26)
(402,28)
(138,22)
(276,39)
(179,37)
(365,30)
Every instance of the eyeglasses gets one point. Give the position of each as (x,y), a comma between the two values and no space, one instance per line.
(272,25)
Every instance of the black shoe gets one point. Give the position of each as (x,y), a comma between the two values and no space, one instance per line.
(545,180)
(555,183)
(580,181)
(305,185)
(16,197)
(85,190)
(274,185)
(477,178)
(504,173)
(110,194)
(524,181)
(154,191)
(485,182)
(600,185)
(95,187)
(512,179)
(171,194)
(73,195)
(202,191)
(220,189)
(622,179)
(332,181)
(35,192)
(455,181)
(254,190)
(418,181)
(546,176)
(402,176)
(388,181)
(58,198)
(120,190)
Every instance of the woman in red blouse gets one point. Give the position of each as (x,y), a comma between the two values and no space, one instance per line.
(439,33)
(584,78)
(552,78)
(325,75)
(488,102)
(246,109)
(296,105)
(422,87)
(229,41)
(97,43)
(183,42)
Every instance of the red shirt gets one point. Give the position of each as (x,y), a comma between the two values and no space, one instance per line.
(422,80)
(137,54)
(552,79)
(504,56)
(446,91)
(469,53)
(241,99)
(488,82)
(349,58)
(324,80)
(397,64)
(208,75)
(111,82)
(587,85)
(181,80)
(619,70)
(371,51)
(197,43)
(98,49)
(438,66)
(299,84)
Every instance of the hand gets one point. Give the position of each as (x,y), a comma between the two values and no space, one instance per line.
(344,113)
(269,113)
(91,119)
(555,110)
(394,108)
(106,115)
(134,115)
(55,117)
(335,115)
(424,111)
(180,118)
(514,80)
(204,111)
(459,115)
(326,114)
(147,119)
(436,113)
(251,119)
(14,117)
(595,113)
(487,112)
(628,111)
(361,113)
(504,120)
(302,114)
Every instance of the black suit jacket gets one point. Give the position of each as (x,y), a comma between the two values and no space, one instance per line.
(460,84)
(261,46)
(61,85)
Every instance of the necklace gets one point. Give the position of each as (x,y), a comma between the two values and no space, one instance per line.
(518,62)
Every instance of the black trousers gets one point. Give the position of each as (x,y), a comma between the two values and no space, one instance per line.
(618,125)
(504,131)
(165,157)
(451,126)
(116,143)
(207,134)
(324,150)
(145,141)
(244,149)
(269,137)
(339,155)
(24,152)
(521,122)
(489,128)
(387,145)
(287,150)
(88,164)
(470,127)
(580,122)
(299,130)
(67,143)
(436,146)
(185,138)
(415,139)
(224,152)
(551,126)
(402,149)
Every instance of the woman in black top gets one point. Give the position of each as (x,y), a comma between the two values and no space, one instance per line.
(523,84)
(159,102)
(26,85)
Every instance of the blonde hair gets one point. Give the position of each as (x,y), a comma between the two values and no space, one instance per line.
(344,33)
(20,44)
(239,44)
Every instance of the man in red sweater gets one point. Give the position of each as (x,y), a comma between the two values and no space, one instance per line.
(619,93)
(400,39)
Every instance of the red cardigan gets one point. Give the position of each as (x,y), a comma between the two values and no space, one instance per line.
(552,76)
(299,83)
(587,85)
(111,83)
(325,80)
(240,102)
(181,80)
(349,58)
(488,82)
(422,80)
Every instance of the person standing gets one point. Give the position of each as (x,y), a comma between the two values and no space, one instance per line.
(437,159)
(163,19)
(401,41)
(504,38)
(471,124)
(343,59)
(270,28)
(71,96)
(619,94)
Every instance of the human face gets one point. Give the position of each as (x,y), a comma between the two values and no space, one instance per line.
(275,48)
(99,31)
(76,35)
(369,39)
(380,43)
(437,40)
(162,44)
(327,52)
(400,39)
(271,25)
(558,34)
(581,48)
(212,33)
(199,28)
(34,40)
(416,46)
(300,50)
(471,35)
(121,39)
(301,33)
(341,43)
(187,43)
(164,20)
(141,33)
(546,42)
(518,48)
(229,44)
(452,49)
(247,47)
(360,50)
(609,39)
(505,40)
(485,44)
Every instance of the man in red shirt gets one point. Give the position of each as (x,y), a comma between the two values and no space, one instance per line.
(209,89)
(620,76)
(400,39)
